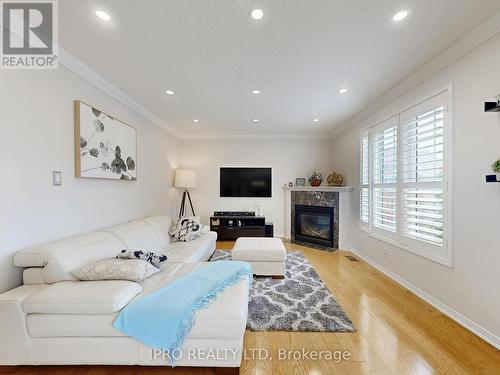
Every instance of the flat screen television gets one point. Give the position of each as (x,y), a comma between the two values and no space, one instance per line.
(254,182)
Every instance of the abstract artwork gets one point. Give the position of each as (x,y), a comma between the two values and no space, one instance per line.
(104,146)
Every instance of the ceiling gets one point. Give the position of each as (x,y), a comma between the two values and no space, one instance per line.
(212,54)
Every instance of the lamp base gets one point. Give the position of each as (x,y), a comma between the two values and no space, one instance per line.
(183,203)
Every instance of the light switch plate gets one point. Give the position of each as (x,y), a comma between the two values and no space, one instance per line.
(56,178)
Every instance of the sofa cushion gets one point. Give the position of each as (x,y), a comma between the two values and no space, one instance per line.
(198,250)
(82,297)
(161,224)
(137,235)
(116,269)
(61,257)
(224,319)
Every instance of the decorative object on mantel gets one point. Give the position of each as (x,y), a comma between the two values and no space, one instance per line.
(335,179)
(492,106)
(301,181)
(316,178)
(496,168)
(105,147)
(290,184)
(185,179)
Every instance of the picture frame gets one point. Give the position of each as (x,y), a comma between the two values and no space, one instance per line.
(300,181)
(105,147)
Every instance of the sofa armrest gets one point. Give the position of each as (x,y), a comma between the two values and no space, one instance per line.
(15,343)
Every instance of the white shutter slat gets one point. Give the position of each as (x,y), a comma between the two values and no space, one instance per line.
(423,218)
(364,198)
(385,176)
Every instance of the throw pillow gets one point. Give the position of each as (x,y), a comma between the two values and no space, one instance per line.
(150,257)
(186,229)
(116,269)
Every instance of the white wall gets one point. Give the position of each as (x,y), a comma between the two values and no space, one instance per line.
(288,158)
(471,288)
(36,134)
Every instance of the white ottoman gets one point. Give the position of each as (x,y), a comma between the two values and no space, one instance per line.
(266,255)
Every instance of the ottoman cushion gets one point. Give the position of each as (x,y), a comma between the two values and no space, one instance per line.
(257,249)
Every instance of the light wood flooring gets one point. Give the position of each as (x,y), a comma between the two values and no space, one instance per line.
(397,333)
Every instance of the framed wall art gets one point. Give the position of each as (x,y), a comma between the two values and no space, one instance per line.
(105,147)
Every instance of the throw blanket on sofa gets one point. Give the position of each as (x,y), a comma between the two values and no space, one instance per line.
(163,319)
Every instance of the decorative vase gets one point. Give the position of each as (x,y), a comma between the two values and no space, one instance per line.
(316,179)
(335,179)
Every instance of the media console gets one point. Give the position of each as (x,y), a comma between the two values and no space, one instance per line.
(231,225)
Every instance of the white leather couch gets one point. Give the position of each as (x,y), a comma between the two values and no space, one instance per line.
(54,319)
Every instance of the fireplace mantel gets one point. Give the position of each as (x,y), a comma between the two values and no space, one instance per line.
(319,188)
(344,210)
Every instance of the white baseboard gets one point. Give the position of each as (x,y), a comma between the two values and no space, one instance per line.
(486,335)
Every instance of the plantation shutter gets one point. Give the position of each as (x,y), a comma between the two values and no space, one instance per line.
(364,199)
(384,180)
(423,178)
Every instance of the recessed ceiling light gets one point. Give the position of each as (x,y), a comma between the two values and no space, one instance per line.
(256,92)
(169,92)
(255,120)
(102,15)
(257,14)
(196,121)
(399,16)
(315,119)
(342,90)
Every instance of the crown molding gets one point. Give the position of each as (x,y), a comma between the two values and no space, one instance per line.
(194,137)
(84,71)
(475,38)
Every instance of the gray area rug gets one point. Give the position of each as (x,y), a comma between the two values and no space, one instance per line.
(299,302)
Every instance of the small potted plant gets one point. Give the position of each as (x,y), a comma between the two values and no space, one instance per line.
(496,168)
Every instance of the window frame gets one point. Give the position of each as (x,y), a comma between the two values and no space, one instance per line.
(440,254)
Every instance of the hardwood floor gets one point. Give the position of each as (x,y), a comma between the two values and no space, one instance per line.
(397,333)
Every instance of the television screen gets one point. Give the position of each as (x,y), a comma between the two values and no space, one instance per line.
(245,182)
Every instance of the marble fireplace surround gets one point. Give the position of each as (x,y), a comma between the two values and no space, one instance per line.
(323,196)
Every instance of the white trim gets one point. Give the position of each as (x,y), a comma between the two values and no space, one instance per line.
(84,71)
(475,328)
(255,136)
(475,38)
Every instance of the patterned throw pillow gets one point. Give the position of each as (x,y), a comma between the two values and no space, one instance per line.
(186,229)
(116,269)
(150,257)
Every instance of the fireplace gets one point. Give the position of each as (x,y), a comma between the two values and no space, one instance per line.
(314,225)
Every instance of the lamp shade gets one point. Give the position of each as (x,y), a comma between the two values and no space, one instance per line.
(185,178)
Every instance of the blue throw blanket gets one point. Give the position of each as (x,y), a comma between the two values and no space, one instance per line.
(163,319)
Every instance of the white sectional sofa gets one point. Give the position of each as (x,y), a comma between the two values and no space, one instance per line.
(55,319)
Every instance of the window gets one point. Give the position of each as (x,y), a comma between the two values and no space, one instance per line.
(404,196)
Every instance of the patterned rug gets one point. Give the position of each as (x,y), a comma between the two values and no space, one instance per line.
(299,302)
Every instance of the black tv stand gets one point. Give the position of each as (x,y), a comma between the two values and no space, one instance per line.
(230,225)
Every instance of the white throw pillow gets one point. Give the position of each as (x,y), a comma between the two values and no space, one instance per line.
(186,228)
(116,269)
